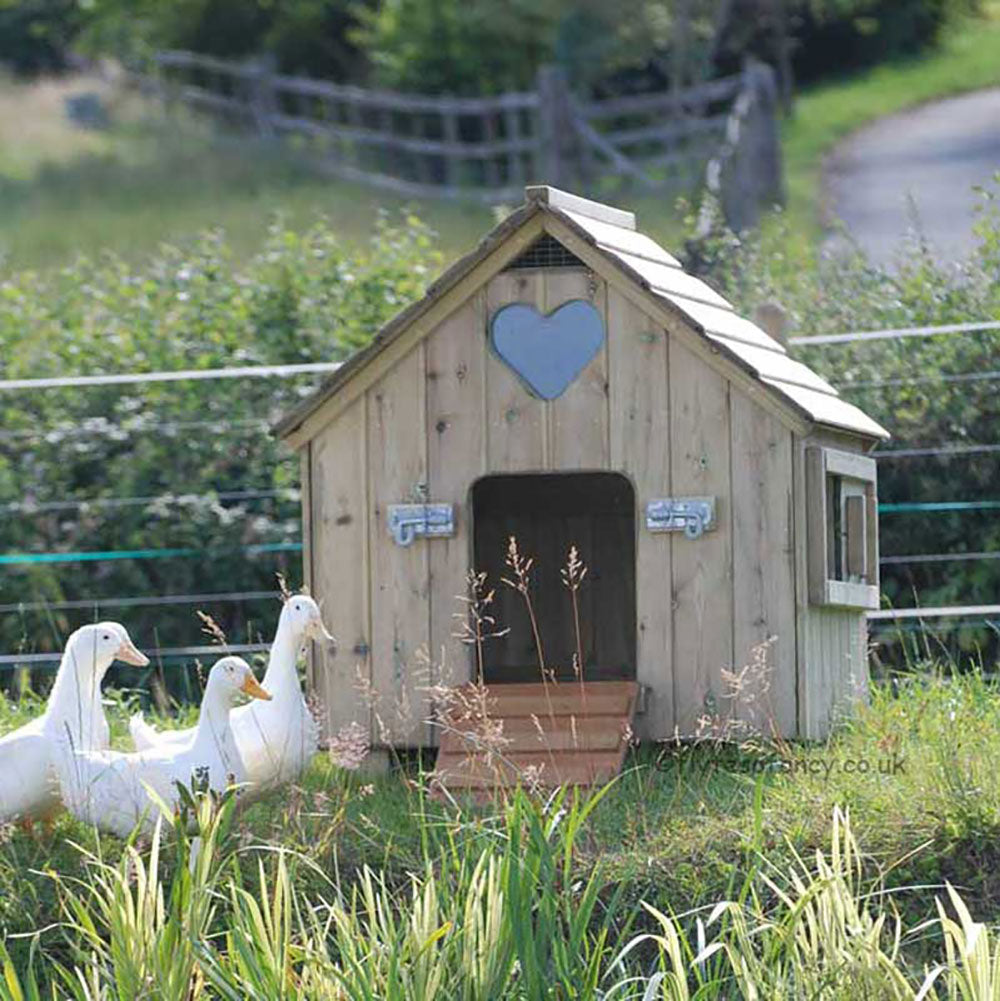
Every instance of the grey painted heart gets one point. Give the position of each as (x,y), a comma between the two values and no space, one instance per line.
(547,352)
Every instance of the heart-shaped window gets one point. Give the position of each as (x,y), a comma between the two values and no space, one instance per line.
(547,352)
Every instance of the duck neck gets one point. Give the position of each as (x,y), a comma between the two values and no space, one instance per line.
(75,700)
(281,678)
(213,732)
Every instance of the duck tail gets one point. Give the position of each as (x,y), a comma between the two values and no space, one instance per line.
(143,735)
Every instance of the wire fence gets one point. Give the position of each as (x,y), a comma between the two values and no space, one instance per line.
(903,619)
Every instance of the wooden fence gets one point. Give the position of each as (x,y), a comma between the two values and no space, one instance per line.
(487,148)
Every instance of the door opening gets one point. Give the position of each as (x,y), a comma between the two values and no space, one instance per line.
(547,513)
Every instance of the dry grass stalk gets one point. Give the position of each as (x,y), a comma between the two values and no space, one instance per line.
(520,566)
(211,628)
(286,594)
(573,575)
(750,714)
(465,710)
(349,746)
(476,624)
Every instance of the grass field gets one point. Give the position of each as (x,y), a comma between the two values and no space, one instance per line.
(681,830)
(65,191)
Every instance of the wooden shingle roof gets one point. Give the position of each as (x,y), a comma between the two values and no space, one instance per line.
(612,233)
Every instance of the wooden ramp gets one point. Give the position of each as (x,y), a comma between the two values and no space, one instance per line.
(567,734)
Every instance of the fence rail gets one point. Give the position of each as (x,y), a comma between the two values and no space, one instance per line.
(487,148)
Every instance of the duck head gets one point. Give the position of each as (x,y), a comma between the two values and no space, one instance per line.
(304,618)
(97,645)
(231,677)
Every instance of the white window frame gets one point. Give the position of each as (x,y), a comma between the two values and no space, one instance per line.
(842,528)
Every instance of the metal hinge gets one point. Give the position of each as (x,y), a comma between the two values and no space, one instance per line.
(410,521)
(692,515)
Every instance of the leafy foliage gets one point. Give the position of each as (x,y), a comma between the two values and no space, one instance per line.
(303,298)
(35,34)
(928,392)
(305,36)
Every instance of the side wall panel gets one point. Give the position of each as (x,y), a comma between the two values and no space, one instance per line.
(763,565)
(338,527)
(397,473)
(516,439)
(702,568)
(836,665)
(640,448)
(456,455)
(833,642)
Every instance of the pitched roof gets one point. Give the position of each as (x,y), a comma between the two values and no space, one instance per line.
(612,233)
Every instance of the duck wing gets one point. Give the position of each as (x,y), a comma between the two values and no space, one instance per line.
(27,786)
(111,790)
(148,738)
(276,740)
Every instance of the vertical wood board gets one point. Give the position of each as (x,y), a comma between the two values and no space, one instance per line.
(804,724)
(763,564)
(701,568)
(515,420)
(456,456)
(577,423)
(397,451)
(639,433)
(340,565)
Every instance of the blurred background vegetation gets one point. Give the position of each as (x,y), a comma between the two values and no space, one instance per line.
(479,46)
(145,245)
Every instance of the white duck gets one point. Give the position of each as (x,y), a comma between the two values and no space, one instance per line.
(276,739)
(73,714)
(116,791)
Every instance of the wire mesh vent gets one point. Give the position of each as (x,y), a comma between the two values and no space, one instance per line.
(545,252)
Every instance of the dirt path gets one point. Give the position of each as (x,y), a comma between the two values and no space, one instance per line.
(927,159)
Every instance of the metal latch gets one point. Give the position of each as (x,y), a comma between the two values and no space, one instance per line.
(692,515)
(410,521)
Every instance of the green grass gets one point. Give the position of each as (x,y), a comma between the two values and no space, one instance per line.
(147,180)
(65,191)
(677,829)
(967,59)
(680,831)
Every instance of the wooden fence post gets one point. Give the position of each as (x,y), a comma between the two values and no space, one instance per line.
(261,100)
(556,129)
(771,185)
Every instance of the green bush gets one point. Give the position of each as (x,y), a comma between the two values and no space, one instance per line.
(927,391)
(35,34)
(305,36)
(302,298)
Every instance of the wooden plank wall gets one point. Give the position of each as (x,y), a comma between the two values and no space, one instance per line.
(763,565)
(702,568)
(339,564)
(456,456)
(836,665)
(397,473)
(646,406)
(516,439)
(832,642)
(640,448)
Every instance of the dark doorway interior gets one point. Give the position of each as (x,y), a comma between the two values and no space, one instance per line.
(547,513)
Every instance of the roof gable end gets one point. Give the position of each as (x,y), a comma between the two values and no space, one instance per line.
(605,238)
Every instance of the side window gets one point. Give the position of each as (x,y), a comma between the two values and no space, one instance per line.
(842,528)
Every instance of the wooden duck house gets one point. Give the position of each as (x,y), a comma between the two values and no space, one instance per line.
(567,383)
